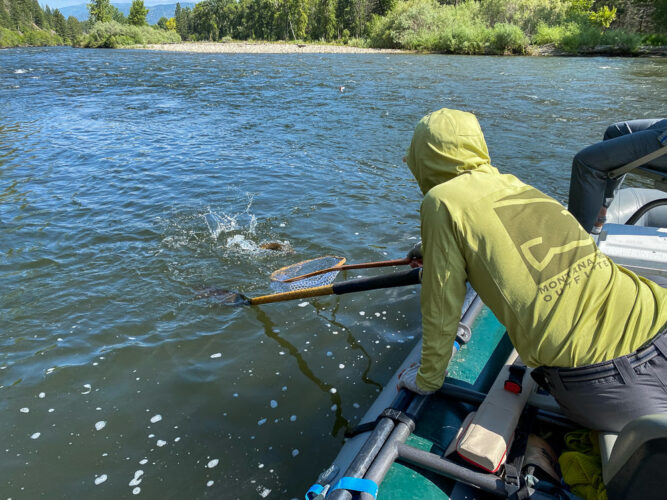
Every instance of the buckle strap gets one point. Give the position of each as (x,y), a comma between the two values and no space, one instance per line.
(356,484)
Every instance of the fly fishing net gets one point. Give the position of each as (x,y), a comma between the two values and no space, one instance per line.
(307,274)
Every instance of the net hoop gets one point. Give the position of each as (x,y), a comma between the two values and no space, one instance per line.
(293,271)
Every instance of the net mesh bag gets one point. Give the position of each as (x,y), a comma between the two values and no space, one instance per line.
(306,267)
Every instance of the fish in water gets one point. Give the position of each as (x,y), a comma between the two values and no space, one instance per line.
(276,246)
(226,297)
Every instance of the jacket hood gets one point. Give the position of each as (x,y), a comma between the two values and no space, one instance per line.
(446,143)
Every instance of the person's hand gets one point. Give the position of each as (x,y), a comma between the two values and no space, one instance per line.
(415,255)
(408,379)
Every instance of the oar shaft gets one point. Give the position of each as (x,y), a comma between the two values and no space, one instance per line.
(293,295)
(363,265)
(405,278)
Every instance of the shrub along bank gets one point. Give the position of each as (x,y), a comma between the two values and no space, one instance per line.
(113,35)
(486,28)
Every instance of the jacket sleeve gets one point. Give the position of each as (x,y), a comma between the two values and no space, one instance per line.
(443,292)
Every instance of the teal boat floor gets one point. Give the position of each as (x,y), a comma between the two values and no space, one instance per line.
(475,366)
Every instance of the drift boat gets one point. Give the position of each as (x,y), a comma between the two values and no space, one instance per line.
(490,431)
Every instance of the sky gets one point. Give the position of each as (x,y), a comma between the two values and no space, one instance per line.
(57,4)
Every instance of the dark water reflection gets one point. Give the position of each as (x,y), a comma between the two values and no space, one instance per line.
(131,180)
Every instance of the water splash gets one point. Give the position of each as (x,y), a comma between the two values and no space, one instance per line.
(241,232)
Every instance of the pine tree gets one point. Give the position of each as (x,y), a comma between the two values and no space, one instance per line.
(138,13)
(99,11)
(60,24)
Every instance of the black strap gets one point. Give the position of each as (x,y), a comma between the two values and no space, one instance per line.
(396,415)
(515,484)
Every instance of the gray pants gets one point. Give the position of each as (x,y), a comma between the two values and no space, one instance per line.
(606,396)
(590,187)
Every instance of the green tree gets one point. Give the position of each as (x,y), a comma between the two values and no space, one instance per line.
(100,11)
(324,22)
(74,29)
(138,13)
(60,24)
(603,17)
(297,18)
(38,15)
(184,21)
(5,19)
(117,15)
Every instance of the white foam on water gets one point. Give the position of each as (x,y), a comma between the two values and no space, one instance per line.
(136,480)
(177,440)
(156,418)
(216,355)
(292,418)
(274,403)
(161,443)
(212,463)
(25,410)
(101,479)
(35,435)
(341,366)
(295,452)
(239,242)
(218,224)
(303,304)
(209,484)
(100,425)
(20,71)
(88,387)
(42,395)
(143,461)
(136,490)
(261,422)
(263,492)
(333,390)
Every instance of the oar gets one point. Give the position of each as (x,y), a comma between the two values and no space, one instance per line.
(405,278)
(363,265)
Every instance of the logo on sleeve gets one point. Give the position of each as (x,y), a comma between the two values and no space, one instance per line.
(545,234)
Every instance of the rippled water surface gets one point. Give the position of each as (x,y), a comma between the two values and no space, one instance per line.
(131,180)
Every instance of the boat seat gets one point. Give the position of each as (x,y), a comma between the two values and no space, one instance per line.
(634,461)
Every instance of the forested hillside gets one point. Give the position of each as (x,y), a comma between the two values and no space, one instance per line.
(24,22)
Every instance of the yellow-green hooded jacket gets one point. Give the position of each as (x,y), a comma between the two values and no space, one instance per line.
(563,303)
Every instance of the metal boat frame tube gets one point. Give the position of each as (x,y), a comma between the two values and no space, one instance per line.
(389,452)
(379,450)
(439,465)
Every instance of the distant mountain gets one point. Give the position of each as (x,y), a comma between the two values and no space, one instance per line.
(155,12)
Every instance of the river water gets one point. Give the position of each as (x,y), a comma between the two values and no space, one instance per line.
(132,180)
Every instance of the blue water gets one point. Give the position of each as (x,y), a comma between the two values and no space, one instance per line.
(132,180)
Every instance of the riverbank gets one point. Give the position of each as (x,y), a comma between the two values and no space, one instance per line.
(310,48)
(264,48)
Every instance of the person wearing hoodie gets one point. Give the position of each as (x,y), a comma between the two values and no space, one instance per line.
(594,329)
